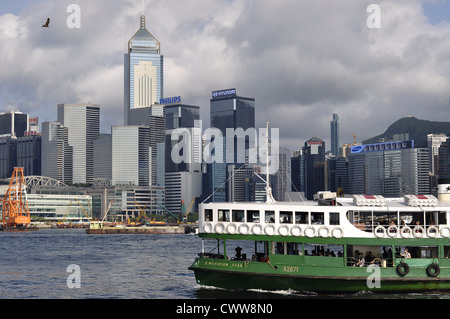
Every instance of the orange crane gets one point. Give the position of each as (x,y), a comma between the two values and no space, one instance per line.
(15,204)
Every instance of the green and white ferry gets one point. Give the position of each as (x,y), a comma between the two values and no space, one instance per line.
(333,244)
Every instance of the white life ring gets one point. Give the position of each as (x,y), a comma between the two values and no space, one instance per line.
(379,234)
(257,229)
(269,230)
(231,228)
(219,228)
(390,233)
(444,231)
(296,231)
(244,229)
(406,232)
(324,231)
(418,231)
(339,231)
(208,228)
(283,230)
(310,231)
(432,231)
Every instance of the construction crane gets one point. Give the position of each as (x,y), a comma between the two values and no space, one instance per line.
(15,205)
(84,211)
(185,213)
(142,212)
(354,138)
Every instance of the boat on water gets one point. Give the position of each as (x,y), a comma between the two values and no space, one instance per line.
(352,244)
(333,244)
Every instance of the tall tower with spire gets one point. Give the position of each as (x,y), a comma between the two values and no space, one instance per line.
(143,74)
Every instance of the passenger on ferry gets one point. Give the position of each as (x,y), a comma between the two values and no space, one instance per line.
(369,257)
(406,254)
(361,260)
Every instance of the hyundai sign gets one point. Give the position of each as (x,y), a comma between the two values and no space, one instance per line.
(388,146)
(223,93)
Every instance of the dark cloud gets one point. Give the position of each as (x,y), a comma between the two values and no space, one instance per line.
(301,60)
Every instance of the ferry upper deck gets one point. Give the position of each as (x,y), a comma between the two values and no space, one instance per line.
(360,216)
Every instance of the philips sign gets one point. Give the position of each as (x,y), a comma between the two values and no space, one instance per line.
(223,93)
(169,100)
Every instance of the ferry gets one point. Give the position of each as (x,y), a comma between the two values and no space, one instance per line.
(330,245)
(363,243)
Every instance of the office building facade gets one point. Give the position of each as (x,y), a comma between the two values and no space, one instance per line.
(143,71)
(228,111)
(335,143)
(391,169)
(313,167)
(444,160)
(14,123)
(184,175)
(153,118)
(56,153)
(130,155)
(83,124)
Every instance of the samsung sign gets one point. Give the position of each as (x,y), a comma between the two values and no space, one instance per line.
(169,100)
(223,93)
(389,146)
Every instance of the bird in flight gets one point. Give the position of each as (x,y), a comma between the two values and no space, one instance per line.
(46,23)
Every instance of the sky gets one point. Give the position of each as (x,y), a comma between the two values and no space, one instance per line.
(302,60)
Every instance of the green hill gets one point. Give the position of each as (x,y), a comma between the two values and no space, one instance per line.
(417,130)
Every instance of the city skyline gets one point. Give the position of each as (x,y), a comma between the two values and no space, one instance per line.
(323,59)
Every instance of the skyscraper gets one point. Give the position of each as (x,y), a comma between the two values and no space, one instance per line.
(83,124)
(13,123)
(391,169)
(183,180)
(130,155)
(313,177)
(228,111)
(56,152)
(143,73)
(444,160)
(334,125)
(153,118)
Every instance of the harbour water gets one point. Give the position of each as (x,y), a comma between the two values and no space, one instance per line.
(34,265)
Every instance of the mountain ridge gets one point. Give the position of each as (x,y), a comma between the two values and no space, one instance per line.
(416,128)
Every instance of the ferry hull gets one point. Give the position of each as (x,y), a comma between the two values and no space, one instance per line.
(268,280)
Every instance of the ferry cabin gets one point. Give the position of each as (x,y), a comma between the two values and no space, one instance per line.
(407,237)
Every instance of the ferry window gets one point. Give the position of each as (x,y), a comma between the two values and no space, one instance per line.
(208,215)
(279,248)
(270,216)
(238,215)
(253,216)
(334,218)
(417,251)
(224,215)
(382,218)
(323,250)
(447,252)
(301,217)
(317,218)
(435,218)
(442,218)
(285,217)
